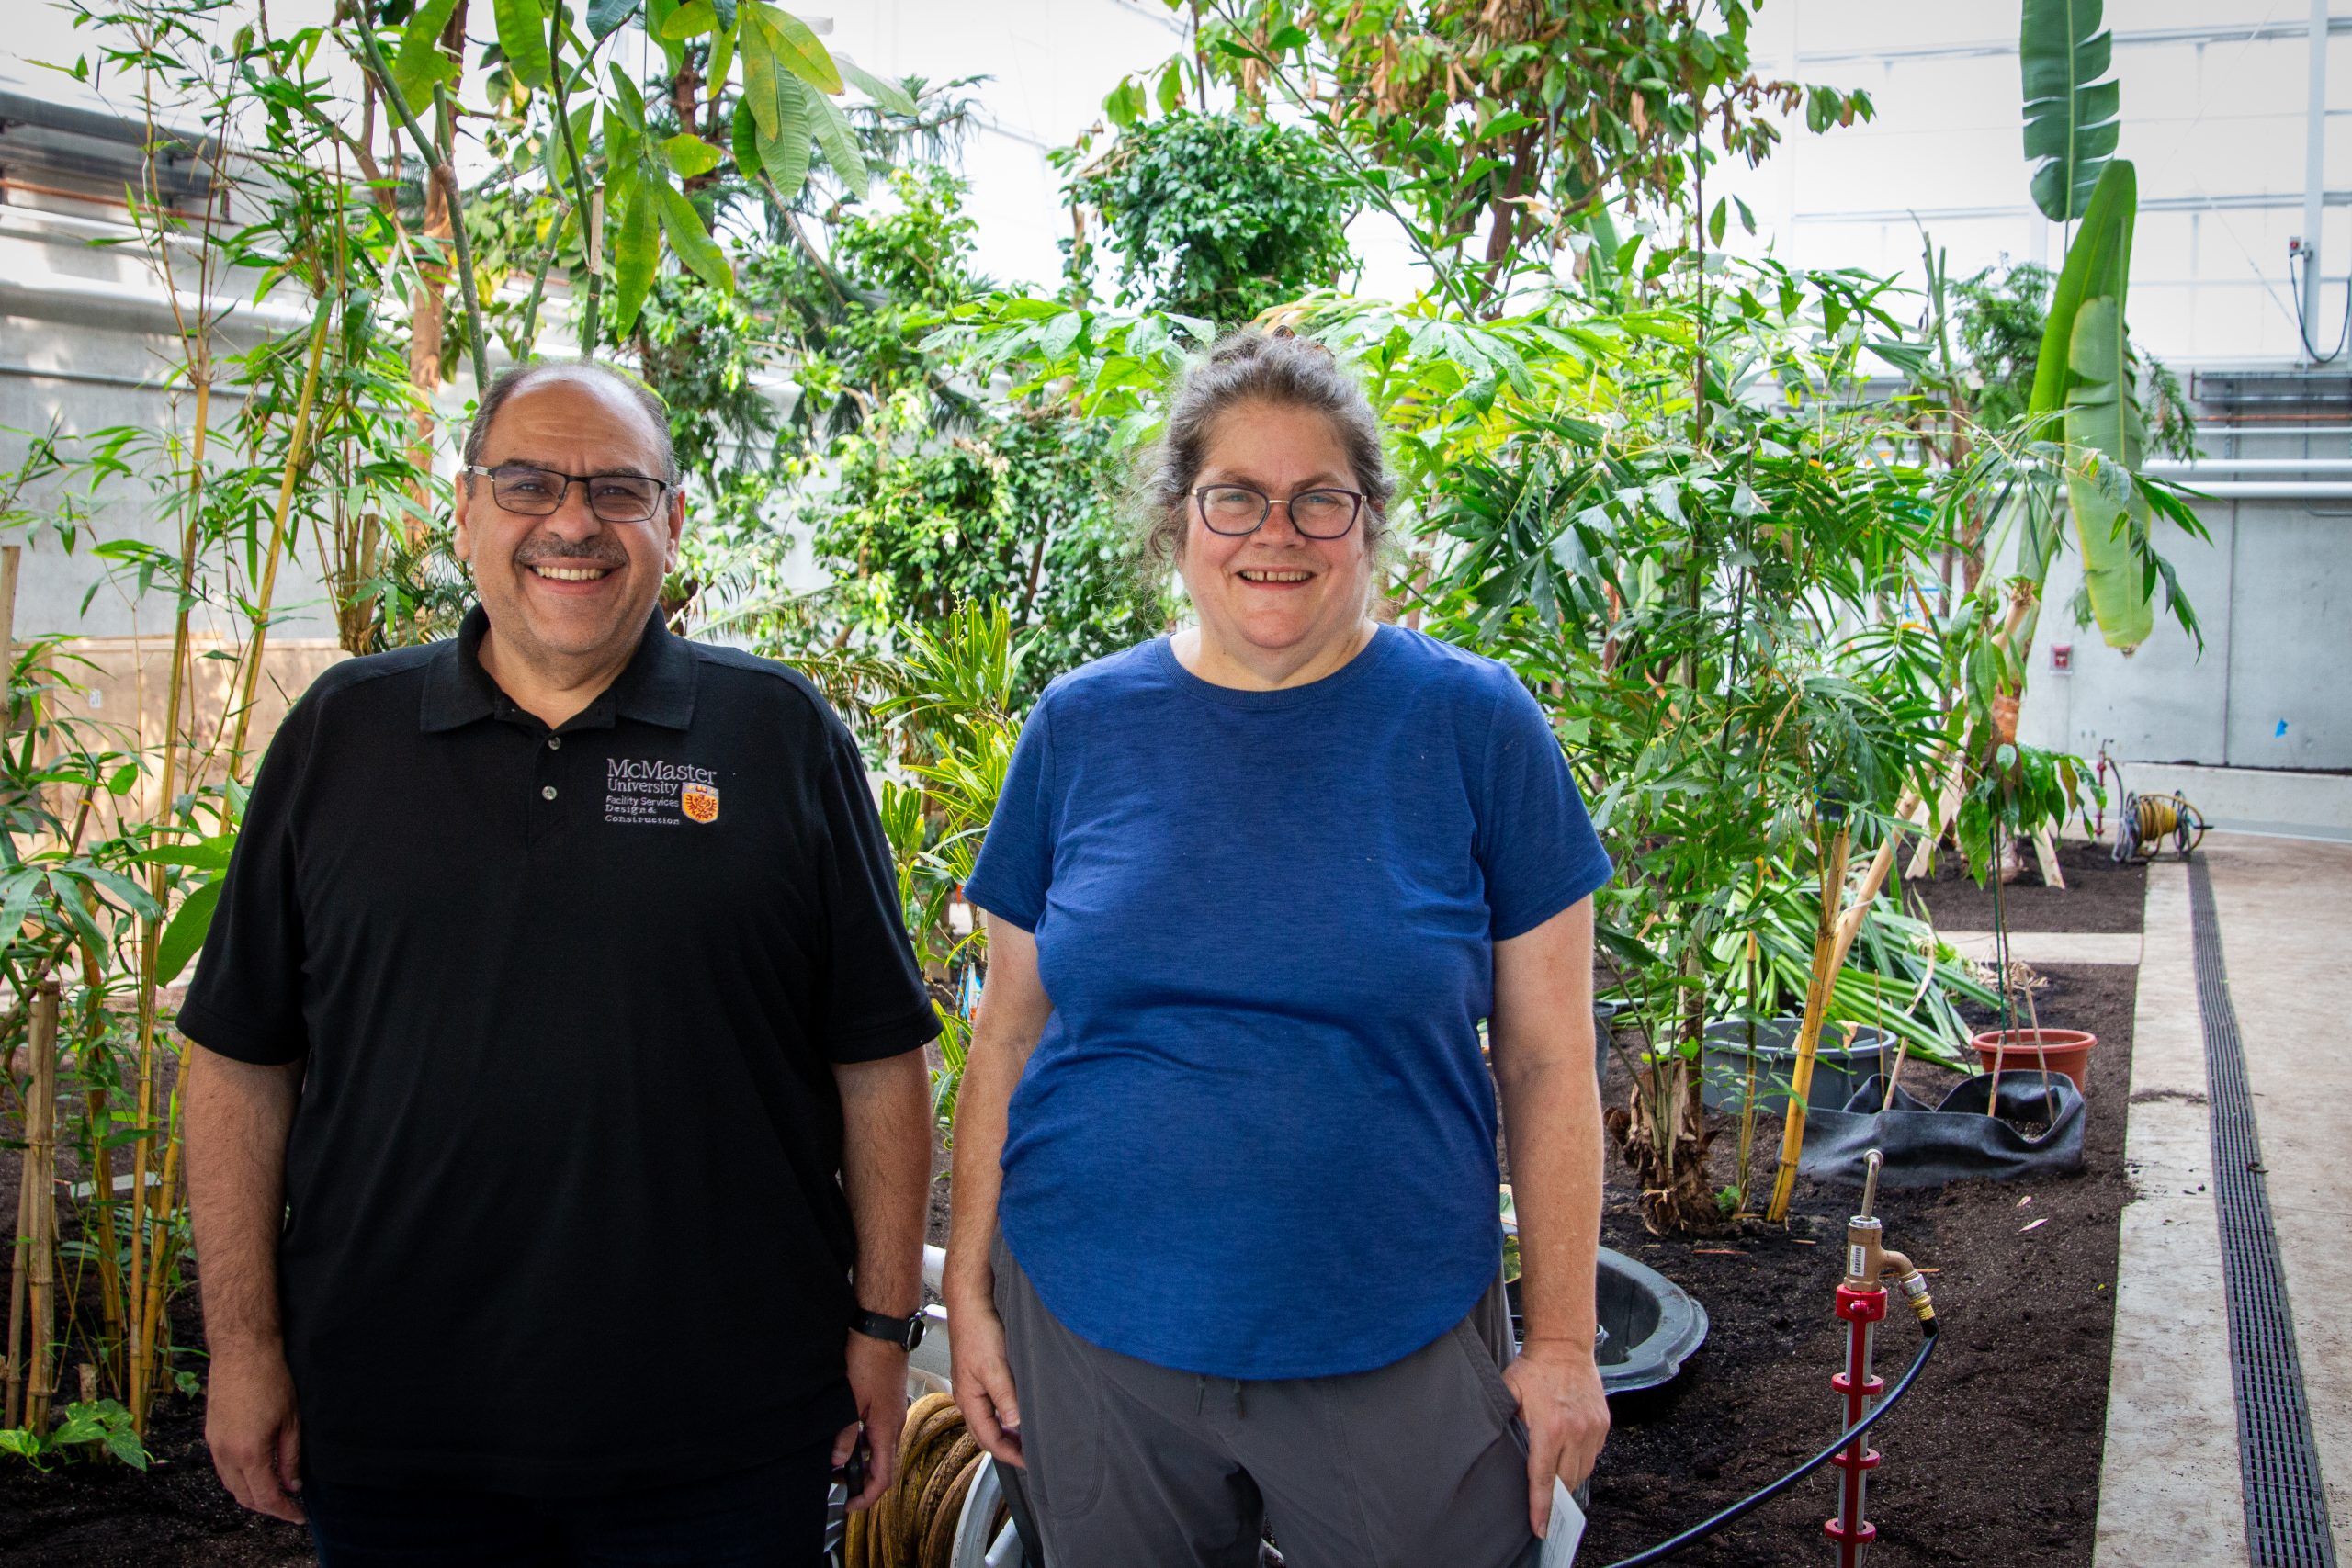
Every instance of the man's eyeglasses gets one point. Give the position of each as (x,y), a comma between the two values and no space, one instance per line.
(534,491)
(1324,512)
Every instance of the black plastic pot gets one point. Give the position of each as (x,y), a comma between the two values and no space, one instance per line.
(1836,1070)
(1604,1018)
(1649,1325)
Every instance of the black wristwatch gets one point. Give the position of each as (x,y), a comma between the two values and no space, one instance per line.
(906,1333)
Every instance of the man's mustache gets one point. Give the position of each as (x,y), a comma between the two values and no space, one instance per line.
(595,551)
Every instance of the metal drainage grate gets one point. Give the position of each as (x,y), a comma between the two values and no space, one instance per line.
(2286,1508)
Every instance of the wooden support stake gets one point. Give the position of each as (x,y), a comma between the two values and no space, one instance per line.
(2045,854)
(41,1181)
(1955,787)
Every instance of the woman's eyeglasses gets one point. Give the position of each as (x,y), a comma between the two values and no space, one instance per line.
(1324,512)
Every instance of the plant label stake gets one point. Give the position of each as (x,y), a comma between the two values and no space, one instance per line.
(1862,1303)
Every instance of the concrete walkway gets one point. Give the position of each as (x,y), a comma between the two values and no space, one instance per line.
(2169,1492)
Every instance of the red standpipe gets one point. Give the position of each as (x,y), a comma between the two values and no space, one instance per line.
(1864,1310)
(1861,1302)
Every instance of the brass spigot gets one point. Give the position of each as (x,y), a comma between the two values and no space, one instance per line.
(1868,1261)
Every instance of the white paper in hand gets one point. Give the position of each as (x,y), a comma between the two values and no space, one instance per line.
(1567,1528)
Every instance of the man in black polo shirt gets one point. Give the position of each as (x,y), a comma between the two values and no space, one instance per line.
(557,1136)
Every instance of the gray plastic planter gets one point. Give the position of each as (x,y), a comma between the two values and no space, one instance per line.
(1649,1325)
(1836,1070)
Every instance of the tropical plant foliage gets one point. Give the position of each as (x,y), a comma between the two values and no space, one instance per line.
(1215,216)
(2073,109)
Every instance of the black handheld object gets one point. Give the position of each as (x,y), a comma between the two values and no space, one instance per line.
(854,1472)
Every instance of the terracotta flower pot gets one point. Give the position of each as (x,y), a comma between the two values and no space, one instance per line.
(2066,1051)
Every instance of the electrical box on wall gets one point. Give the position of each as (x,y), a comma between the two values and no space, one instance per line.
(2061,656)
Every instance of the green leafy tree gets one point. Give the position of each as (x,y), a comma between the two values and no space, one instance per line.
(1215,216)
(1521,118)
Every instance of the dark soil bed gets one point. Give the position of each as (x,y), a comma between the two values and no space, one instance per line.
(99,1515)
(2100,896)
(1995,1456)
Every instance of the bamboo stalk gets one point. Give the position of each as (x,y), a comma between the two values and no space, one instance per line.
(151,937)
(102,1168)
(18,1241)
(40,1182)
(296,454)
(167,1204)
(11,558)
(1816,1002)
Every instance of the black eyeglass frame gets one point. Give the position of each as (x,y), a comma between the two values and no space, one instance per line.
(662,488)
(1200,500)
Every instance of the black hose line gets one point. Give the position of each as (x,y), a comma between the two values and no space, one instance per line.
(1668,1547)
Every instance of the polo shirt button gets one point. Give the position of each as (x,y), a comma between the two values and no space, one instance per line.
(555,742)
(546,792)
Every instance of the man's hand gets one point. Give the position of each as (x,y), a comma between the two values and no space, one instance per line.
(1560,1398)
(255,1434)
(877,1380)
(983,1379)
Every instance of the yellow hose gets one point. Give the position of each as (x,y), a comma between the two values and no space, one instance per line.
(913,1524)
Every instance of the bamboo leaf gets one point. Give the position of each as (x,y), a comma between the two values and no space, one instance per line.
(692,242)
(636,253)
(2072,118)
(187,932)
(797,50)
(523,35)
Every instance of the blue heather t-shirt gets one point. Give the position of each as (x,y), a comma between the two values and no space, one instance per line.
(1256,1139)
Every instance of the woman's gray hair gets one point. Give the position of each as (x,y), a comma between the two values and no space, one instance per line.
(1253,366)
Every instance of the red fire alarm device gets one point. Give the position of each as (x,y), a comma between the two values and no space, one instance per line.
(2061,656)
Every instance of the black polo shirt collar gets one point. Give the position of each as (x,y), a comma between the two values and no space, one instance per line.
(656,687)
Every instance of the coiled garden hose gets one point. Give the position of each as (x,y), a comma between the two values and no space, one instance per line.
(1697,1532)
(2146,820)
(913,1524)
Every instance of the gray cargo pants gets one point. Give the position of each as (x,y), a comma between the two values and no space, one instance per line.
(1419,1464)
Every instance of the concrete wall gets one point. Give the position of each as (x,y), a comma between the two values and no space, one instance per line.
(2272,590)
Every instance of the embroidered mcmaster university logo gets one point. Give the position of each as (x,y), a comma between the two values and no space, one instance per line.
(658,794)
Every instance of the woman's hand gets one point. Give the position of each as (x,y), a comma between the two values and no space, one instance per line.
(983,1377)
(1012,1014)
(1541,1033)
(1560,1399)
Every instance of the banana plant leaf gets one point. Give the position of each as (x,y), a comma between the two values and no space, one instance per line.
(2072,118)
(2102,425)
(2083,372)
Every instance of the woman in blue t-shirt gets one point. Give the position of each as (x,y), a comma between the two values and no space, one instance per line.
(1227,1242)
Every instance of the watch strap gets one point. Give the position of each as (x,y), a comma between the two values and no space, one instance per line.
(906,1333)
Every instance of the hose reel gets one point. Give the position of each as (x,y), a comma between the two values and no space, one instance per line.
(914,1523)
(2146,820)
